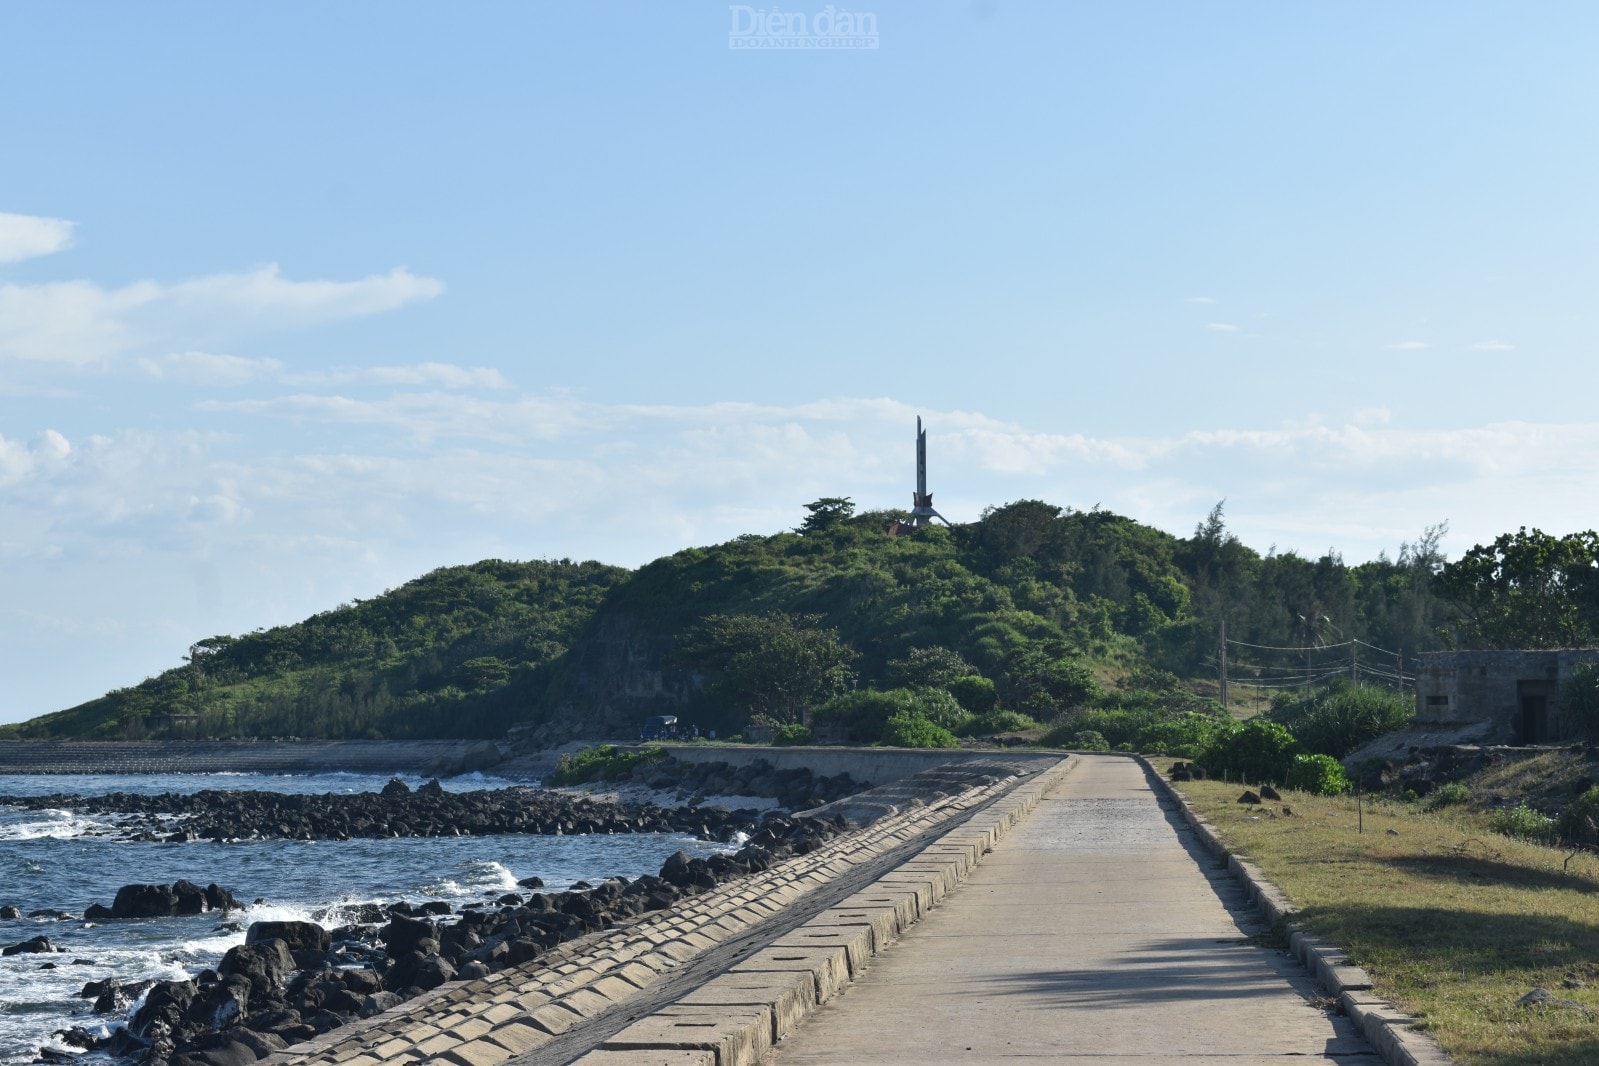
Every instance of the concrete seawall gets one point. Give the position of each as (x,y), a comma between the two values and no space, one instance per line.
(716,980)
(880,766)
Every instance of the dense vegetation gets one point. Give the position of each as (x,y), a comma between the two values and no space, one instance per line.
(460,652)
(1086,620)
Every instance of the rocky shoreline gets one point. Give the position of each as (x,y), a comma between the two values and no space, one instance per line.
(290,981)
(432,811)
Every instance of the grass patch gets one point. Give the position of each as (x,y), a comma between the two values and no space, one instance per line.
(1454,922)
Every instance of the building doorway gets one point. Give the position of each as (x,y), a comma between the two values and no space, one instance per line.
(1532,711)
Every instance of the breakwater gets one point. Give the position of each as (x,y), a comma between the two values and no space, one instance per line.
(428,757)
(717,980)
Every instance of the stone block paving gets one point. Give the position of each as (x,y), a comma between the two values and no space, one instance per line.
(732,1019)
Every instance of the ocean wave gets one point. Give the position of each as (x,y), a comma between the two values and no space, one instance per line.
(474,877)
(52,824)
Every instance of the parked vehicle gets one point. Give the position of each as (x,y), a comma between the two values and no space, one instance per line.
(660,727)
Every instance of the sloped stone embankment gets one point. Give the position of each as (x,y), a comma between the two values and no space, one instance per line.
(715,980)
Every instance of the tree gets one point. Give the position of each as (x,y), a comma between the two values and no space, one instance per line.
(1526,590)
(777,665)
(1028,529)
(933,667)
(827,513)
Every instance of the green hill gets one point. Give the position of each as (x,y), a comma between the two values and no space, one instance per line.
(1044,606)
(460,652)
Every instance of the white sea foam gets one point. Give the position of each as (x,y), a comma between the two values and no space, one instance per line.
(52,824)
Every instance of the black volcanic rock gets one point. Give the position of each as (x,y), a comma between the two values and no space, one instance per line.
(39,945)
(297,936)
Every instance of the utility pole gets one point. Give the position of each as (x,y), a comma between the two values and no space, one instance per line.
(1354,664)
(1222,659)
(1401,656)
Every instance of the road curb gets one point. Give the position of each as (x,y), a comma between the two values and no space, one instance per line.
(1387,1028)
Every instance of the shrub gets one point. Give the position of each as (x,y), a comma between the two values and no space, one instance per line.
(1344,720)
(939,707)
(936,667)
(866,714)
(1579,824)
(862,713)
(974,692)
(1579,701)
(1184,735)
(999,722)
(1524,823)
(790,735)
(1090,740)
(1450,795)
(1151,729)
(1258,750)
(908,730)
(602,763)
(1318,774)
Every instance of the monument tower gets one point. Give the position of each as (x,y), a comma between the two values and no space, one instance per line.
(922,513)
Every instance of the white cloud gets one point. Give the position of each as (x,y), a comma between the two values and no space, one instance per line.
(1222,327)
(19,462)
(1408,346)
(265,291)
(443,375)
(73,322)
(80,322)
(27,236)
(430,416)
(1373,416)
(1198,300)
(1493,346)
(207,368)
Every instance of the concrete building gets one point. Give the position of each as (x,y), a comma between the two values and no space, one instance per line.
(1517,692)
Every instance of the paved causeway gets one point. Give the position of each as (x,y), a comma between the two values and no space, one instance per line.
(1096,932)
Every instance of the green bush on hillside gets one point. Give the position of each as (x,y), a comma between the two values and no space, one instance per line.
(791,735)
(1524,823)
(601,763)
(975,693)
(998,722)
(1318,774)
(1451,794)
(1579,701)
(1579,823)
(1345,719)
(865,715)
(1146,729)
(1088,740)
(910,730)
(1260,751)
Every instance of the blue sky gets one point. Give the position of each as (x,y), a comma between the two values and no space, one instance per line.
(299,301)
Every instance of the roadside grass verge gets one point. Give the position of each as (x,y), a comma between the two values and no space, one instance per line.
(1453,922)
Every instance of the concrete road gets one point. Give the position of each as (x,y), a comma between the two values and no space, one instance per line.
(1096,932)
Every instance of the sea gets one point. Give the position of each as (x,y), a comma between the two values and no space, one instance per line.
(58,860)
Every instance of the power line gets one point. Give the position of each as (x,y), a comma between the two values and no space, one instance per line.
(1314,647)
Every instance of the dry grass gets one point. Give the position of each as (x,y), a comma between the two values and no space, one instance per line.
(1550,778)
(1453,922)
